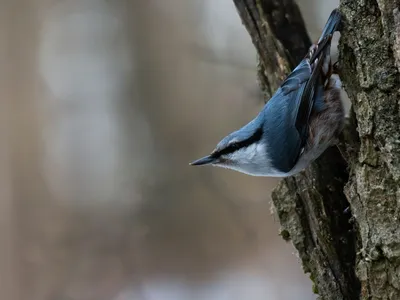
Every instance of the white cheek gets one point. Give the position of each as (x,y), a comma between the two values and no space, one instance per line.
(252,157)
(254,154)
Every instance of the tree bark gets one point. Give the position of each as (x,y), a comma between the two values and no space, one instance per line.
(342,213)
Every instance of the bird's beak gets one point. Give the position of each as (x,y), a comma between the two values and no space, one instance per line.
(206,160)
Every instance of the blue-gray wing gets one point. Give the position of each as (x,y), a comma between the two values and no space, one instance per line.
(287,115)
(285,141)
(297,77)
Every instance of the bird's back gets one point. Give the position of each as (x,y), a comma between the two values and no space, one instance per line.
(282,138)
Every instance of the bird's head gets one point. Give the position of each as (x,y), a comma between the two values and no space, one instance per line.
(243,150)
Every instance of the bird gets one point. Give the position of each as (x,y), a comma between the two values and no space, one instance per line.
(300,121)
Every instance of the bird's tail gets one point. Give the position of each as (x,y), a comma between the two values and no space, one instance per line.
(312,88)
(331,25)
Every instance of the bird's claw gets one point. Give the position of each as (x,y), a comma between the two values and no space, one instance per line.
(313,48)
(336,68)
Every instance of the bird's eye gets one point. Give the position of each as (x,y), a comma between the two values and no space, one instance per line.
(229,148)
(234,146)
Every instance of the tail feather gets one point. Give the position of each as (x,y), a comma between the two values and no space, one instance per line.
(312,86)
(331,25)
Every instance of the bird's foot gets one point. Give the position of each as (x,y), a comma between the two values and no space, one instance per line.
(313,48)
(336,68)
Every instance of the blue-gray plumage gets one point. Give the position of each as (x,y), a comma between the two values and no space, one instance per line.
(297,124)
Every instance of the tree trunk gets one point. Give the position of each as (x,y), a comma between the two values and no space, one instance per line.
(342,214)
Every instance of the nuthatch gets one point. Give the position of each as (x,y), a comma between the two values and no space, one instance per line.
(301,120)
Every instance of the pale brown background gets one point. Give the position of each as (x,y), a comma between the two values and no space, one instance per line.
(103,105)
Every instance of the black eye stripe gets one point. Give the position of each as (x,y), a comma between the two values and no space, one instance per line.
(242,144)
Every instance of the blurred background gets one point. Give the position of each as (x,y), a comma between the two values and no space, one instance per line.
(103,105)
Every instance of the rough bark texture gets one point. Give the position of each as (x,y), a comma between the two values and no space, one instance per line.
(370,59)
(342,214)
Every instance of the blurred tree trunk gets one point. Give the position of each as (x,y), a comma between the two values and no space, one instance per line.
(343,214)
